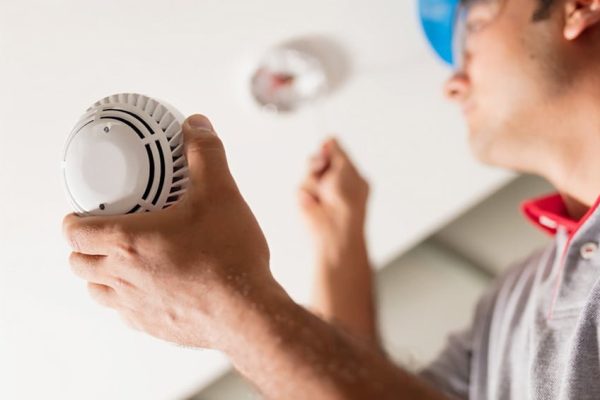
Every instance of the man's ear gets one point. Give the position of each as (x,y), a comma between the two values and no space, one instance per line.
(581,15)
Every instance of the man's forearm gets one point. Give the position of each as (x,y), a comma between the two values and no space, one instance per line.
(343,289)
(288,353)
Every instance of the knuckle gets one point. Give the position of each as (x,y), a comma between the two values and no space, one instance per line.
(193,144)
(92,290)
(75,264)
(85,267)
(73,259)
(215,142)
(120,283)
(204,143)
(123,241)
(71,234)
(126,250)
(67,223)
(304,186)
(118,232)
(99,294)
(79,265)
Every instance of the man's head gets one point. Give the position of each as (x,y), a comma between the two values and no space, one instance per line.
(523,63)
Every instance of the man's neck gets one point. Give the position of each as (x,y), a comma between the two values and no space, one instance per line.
(574,163)
(575,209)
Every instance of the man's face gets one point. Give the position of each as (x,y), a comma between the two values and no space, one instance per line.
(503,84)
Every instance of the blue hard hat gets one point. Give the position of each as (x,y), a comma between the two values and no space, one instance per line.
(438,18)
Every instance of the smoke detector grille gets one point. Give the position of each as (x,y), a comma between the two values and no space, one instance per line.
(125,155)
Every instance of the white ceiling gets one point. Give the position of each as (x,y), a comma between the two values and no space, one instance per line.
(58,57)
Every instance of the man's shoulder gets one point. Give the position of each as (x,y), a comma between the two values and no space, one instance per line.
(518,281)
(537,264)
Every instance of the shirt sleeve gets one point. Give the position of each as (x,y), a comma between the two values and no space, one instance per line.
(461,369)
(450,371)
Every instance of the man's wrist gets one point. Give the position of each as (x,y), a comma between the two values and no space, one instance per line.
(245,314)
(351,247)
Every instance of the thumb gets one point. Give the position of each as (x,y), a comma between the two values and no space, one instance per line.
(204,152)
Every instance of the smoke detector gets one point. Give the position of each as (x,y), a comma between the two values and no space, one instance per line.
(298,72)
(125,155)
(287,78)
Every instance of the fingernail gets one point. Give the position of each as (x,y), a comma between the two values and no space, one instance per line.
(200,123)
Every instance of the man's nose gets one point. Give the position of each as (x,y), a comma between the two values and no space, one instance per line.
(457,87)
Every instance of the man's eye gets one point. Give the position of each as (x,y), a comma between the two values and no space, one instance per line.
(475,25)
(479,16)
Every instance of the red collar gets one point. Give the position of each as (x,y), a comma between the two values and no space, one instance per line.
(549,212)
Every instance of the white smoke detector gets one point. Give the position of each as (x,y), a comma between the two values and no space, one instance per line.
(125,155)
(299,72)
(287,78)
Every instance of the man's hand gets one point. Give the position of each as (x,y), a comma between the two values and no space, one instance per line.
(170,273)
(333,198)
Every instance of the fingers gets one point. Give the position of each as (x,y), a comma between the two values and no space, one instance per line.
(307,200)
(308,192)
(205,153)
(103,295)
(334,148)
(331,155)
(310,203)
(89,268)
(318,164)
(310,185)
(308,196)
(90,235)
(337,154)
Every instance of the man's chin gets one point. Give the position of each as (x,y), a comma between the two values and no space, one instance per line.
(481,147)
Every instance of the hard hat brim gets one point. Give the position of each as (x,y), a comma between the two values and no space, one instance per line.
(438,21)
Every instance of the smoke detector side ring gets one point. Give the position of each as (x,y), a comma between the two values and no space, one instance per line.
(125,155)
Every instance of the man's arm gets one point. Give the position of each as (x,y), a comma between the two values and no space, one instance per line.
(289,353)
(197,274)
(333,198)
(343,292)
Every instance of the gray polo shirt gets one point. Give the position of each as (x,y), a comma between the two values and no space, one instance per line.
(535,333)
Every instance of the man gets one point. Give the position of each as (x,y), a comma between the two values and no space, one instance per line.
(198,273)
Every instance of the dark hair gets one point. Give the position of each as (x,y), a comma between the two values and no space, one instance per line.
(543,11)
